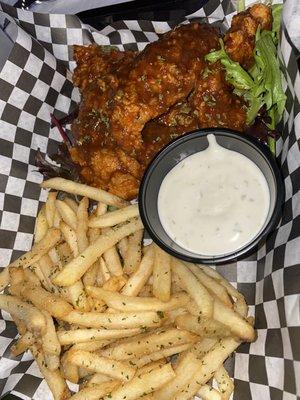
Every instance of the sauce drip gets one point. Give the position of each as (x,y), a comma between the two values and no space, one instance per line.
(214,202)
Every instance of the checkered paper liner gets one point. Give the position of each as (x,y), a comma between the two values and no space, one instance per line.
(34,82)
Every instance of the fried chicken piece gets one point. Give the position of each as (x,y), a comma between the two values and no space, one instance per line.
(240,39)
(163,74)
(214,102)
(92,62)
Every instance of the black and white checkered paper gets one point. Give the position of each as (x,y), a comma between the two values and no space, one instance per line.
(34,82)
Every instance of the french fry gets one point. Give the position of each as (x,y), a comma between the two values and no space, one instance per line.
(32,317)
(90,277)
(203,346)
(112,260)
(195,289)
(22,344)
(77,267)
(114,217)
(209,364)
(16,275)
(238,326)
(127,303)
(71,203)
(56,306)
(93,362)
(49,340)
(187,367)
(143,384)
(50,208)
(96,392)
(82,224)
(84,335)
(213,286)
(150,344)
(92,345)
(31,277)
(206,392)
(240,305)
(54,379)
(224,382)
(57,219)
(84,190)
(70,237)
(69,371)
(115,283)
(122,247)
(4,278)
(134,252)
(138,279)
(118,320)
(146,291)
(101,209)
(152,365)
(52,237)
(41,225)
(66,213)
(97,379)
(202,326)
(103,272)
(162,275)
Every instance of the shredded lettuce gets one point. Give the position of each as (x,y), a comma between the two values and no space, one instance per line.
(261,85)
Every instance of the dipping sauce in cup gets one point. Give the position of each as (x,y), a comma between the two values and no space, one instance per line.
(214,201)
(211,196)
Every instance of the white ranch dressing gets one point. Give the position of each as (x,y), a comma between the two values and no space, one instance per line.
(213,202)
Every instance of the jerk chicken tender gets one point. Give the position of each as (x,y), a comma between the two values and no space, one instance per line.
(133,104)
(240,39)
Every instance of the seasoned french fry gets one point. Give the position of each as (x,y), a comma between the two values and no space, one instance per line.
(209,364)
(138,279)
(97,379)
(4,278)
(57,219)
(115,283)
(115,217)
(195,289)
(56,306)
(93,362)
(32,317)
(54,379)
(77,267)
(22,344)
(152,365)
(224,382)
(240,305)
(202,347)
(122,247)
(41,225)
(66,213)
(202,326)
(101,209)
(92,345)
(134,253)
(213,286)
(90,277)
(206,392)
(150,344)
(31,277)
(69,371)
(82,224)
(16,275)
(162,275)
(71,203)
(238,326)
(146,291)
(38,250)
(84,335)
(84,190)
(127,303)
(112,260)
(186,368)
(143,384)
(114,320)
(50,343)
(70,237)
(50,208)
(96,392)
(103,272)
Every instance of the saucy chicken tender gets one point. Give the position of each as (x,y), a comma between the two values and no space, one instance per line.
(240,39)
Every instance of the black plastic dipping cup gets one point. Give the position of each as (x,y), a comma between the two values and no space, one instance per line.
(187,145)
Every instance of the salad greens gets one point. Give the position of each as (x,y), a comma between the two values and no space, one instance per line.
(261,86)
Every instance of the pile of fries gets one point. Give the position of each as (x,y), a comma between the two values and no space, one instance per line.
(125,321)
